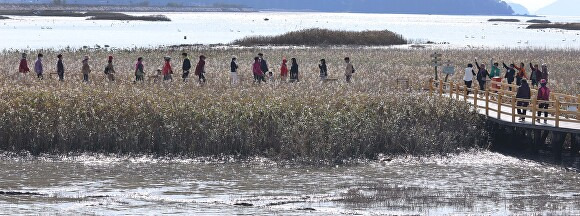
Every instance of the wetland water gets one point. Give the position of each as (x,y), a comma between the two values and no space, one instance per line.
(209,28)
(476,182)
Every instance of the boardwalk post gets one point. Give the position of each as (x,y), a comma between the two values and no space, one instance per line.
(475,98)
(451,89)
(557,115)
(534,107)
(457,91)
(440,88)
(486,103)
(465,93)
(499,105)
(513,109)
(578,108)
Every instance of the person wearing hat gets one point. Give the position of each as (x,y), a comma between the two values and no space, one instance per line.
(200,69)
(185,67)
(234,71)
(60,68)
(38,67)
(86,69)
(139,70)
(110,69)
(23,67)
(543,95)
(545,72)
(167,70)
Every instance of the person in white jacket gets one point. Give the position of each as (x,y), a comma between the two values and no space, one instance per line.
(468,77)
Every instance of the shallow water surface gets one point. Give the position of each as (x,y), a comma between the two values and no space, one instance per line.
(477,182)
(208,28)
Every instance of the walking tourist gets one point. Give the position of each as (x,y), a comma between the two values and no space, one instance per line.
(167,70)
(543,95)
(349,70)
(323,69)
(523,93)
(60,68)
(234,71)
(185,67)
(200,69)
(86,69)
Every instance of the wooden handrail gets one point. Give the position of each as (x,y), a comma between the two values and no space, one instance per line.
(559,104)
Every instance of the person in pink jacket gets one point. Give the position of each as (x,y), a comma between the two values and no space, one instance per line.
(257,70)
(543,95)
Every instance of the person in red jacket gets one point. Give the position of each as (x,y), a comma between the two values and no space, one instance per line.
(257,70)
(544,95)
(23,67)
(167,70)
(284,70)
(200,69)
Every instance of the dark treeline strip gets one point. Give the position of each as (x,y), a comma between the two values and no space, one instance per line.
(565,26)
(89,15)
(538,21)
(503,20)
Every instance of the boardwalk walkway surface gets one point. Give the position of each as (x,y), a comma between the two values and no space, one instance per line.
(498,103)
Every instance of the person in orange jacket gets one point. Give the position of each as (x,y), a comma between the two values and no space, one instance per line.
(521,73)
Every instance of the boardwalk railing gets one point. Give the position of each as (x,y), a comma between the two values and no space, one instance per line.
(500,98)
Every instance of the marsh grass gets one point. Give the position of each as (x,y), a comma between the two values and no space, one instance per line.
(309,120)
(322,37)
(121,16)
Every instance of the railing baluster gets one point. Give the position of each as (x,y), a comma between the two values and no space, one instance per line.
(475,98)
(465,93)
(499,105)
(513,109)
(557,106)
(486,102)
(534,108)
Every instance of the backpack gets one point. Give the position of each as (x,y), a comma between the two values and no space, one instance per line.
(107,70)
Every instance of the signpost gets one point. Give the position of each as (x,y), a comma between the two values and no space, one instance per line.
(449,69)
(436,62)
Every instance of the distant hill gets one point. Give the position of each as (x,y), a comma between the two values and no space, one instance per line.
(519,9)
(562,8)
(452,7)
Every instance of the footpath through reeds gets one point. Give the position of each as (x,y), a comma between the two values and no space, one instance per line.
(309,120)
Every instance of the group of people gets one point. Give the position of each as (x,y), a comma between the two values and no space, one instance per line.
(518,74)
(260,69)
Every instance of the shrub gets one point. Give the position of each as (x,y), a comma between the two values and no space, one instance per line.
(319,37)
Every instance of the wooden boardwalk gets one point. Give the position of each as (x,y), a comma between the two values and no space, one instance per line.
(498,103)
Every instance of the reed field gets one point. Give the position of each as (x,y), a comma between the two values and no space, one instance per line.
(308,120)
